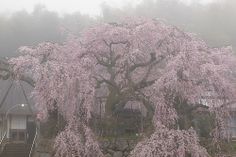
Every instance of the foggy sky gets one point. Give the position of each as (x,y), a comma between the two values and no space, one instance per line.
(91,7)
(213,22)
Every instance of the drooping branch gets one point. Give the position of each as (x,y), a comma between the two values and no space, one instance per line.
(6,72)
(28,80)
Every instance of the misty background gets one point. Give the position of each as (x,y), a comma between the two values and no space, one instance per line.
(214,22)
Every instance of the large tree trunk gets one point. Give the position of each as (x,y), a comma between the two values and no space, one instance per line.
(112,100)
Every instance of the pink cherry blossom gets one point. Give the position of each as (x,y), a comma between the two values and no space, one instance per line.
(139,60)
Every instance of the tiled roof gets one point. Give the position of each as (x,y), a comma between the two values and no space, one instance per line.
(15,96)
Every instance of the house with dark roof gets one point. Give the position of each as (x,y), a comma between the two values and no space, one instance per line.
(16,111)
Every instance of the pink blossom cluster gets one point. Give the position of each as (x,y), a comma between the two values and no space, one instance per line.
(138,60)
(170,143)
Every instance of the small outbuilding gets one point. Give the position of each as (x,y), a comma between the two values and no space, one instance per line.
(16,111)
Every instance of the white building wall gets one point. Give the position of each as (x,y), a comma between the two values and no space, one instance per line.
(18,122)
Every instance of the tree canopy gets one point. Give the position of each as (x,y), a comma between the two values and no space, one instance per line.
(138,61)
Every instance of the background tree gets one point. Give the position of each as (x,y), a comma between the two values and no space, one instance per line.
(214,22)
(139,61)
